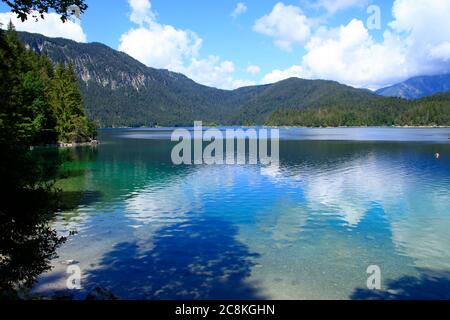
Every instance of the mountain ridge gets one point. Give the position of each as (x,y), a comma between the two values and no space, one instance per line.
(119,91)
(418,87)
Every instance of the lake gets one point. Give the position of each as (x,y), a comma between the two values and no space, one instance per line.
(339,201)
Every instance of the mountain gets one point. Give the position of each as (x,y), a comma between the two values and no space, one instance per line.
(120,91)
(418,87)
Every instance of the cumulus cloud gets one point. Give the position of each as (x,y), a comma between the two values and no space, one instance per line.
(141,12)
(157,45)
(213,71)
(441,52)
(50,26)
(427,26)
(164,46)
(160,46)
(278,75)
(355,58)
(416,42)
(240,9)
(286,24)
(253,69)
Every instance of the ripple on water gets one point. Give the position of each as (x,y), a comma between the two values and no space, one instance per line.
(308,228)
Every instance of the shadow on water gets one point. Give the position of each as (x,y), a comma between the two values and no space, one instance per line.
(28,241)
(70,200)
(192,260)
(429,285)
(67,174)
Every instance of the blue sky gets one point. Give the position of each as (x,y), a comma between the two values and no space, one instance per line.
(266,41)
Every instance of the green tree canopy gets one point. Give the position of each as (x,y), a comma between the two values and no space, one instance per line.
(23,7)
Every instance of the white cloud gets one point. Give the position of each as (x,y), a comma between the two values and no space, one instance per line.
(214,72)
(333,6)
(240,9)
(164,46)
(239,83)
(50,26)
(427,26)
(157,45)
(286,24)
(416,42)
(141,12)
(253,69)
(278,75)
(160,46)
(352,56)
(441,52)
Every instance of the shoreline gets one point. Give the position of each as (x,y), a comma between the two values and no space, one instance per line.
(367,127)
(92,143)
(286,127)
(77,144)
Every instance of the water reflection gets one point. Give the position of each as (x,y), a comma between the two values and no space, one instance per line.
(307,228)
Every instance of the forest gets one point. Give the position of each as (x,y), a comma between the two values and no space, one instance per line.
(429,111)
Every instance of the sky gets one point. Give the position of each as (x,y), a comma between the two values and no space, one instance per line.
(230,44)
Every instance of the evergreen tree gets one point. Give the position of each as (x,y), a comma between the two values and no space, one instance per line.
(72,124)
(27,108)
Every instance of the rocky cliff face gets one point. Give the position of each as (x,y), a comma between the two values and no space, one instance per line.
(95,62)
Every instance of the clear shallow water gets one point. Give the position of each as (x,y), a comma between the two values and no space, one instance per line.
(340,200)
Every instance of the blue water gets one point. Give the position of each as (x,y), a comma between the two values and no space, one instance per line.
(339,201)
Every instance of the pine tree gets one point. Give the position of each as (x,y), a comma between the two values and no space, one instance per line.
(72,124)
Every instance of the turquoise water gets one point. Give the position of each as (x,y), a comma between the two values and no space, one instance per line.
(339,201)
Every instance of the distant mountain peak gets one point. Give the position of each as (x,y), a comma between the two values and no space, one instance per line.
(418,87)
